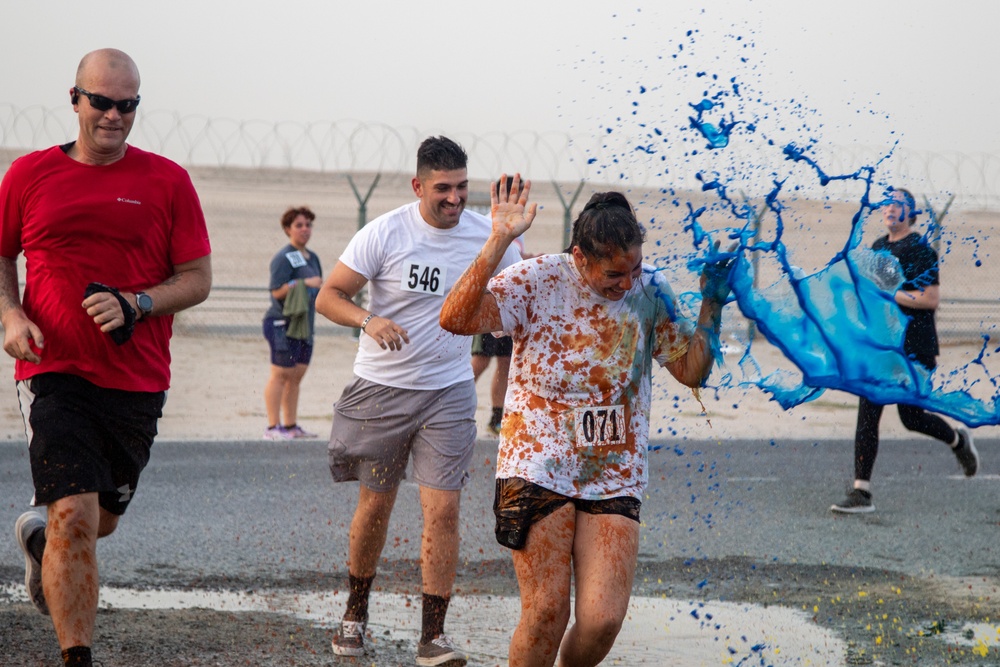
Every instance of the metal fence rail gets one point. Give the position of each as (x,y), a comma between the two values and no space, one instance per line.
(237,311)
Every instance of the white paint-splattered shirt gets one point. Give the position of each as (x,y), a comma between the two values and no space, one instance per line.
(577,408)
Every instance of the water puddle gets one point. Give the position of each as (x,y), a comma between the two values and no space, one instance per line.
(658,631)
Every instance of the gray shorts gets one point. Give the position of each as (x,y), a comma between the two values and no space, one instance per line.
(375,429)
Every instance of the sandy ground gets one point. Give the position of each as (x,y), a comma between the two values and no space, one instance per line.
(218,382)
(218,394)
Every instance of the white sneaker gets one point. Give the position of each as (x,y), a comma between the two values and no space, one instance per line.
(277,433)
(26,525)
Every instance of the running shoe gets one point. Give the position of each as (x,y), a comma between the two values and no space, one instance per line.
(440,652)
(857,501)
(349,640)
(26,525)
(966,452)
(496,420)
(297,431)
(277,433)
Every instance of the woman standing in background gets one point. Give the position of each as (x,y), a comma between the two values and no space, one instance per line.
(296,277)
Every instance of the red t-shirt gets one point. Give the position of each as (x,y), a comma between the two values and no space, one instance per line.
(126,225)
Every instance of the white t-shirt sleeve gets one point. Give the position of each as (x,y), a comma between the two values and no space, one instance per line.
(363,253)
(512,288)
(671,330)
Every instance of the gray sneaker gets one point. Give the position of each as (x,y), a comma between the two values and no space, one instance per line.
(349,639)
(440,652)
(856,502)
(966,452)
(26,525)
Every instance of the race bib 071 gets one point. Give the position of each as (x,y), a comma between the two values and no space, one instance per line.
(599,426)
(424,277)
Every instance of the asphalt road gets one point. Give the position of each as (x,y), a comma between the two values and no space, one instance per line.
(735,520)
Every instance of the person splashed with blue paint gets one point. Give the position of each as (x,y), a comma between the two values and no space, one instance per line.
(917,297)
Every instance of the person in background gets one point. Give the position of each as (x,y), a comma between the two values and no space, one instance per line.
(918,298)
(571,466)
(296,277)
(115,243)
(413,395)
(487,346)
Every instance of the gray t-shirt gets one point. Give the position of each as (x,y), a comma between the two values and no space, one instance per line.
(287,265)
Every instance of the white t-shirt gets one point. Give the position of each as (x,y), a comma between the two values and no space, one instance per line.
(411,266)
(576,417)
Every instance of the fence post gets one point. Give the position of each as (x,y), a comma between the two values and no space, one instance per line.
(937,222)
(567,211)
(755,216)
(359,298)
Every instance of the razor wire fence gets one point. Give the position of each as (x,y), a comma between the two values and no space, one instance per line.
(346,168)
(347,146)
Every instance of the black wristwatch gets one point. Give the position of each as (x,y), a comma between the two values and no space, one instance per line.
(144,303)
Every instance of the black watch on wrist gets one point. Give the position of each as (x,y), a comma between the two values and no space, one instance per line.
(144,303)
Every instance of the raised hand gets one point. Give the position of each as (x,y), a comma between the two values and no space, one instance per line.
(511,214)
(715,273)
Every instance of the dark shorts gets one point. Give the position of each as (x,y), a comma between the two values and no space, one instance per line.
(286,352)
(488,345)
(85,439)
(519,504)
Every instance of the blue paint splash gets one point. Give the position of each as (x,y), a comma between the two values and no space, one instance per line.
(716,134)
(839,326)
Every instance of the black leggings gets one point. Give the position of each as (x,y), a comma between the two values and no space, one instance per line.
(866,435)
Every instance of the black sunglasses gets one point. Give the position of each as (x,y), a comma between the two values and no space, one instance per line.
(102,103)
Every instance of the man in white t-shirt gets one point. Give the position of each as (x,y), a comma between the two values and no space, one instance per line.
(413,392)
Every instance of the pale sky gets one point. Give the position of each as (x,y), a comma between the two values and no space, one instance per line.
(848,71)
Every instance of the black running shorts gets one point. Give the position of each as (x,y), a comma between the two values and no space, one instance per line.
(84,439)
(519,504)
(488,345)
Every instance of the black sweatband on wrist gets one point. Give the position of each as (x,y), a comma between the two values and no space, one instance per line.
(119,335)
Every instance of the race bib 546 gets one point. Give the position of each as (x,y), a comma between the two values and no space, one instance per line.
(421,276)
